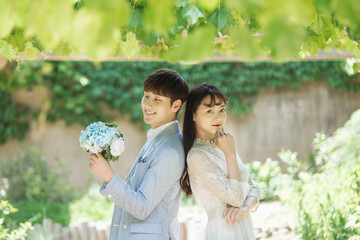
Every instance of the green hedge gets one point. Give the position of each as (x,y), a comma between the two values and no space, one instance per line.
(80,90)
(326,193)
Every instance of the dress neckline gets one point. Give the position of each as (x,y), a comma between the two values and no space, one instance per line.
(204,142)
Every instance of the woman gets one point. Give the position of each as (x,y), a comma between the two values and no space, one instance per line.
(219,180)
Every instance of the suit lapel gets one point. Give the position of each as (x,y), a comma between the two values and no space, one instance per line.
(143,149)
(147,150)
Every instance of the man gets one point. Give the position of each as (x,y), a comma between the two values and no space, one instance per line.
(147,201)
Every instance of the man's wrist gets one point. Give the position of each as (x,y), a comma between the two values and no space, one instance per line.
(108,178)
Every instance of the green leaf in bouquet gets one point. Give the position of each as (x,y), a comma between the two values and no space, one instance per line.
(111,125)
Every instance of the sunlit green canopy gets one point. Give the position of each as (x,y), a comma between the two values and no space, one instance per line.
(182,30)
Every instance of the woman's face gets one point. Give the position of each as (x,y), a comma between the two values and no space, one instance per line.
(209,119)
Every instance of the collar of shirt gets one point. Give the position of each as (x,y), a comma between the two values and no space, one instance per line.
(153,132)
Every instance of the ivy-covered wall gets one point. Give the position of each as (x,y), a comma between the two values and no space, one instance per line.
(286,115)
(78,91)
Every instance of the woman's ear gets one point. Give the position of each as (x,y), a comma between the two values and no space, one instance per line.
(176,105)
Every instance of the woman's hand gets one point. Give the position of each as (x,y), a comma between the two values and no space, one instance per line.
(232,214)
(101,167)
(226,143)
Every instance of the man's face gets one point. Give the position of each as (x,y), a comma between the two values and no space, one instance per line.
(157,109)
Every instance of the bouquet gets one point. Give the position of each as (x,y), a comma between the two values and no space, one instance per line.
(103,138)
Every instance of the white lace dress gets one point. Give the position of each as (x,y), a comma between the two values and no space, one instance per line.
(214,191)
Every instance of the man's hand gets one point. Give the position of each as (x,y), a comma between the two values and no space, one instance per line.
(232,214)
(101,167)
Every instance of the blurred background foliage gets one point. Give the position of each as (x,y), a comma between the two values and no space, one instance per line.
(325,191)
(178,30)
(82,92)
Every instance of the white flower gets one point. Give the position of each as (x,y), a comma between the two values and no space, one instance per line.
(95,149)
(117,147)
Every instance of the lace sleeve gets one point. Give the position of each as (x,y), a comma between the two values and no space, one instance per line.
(254,192)
(214,179)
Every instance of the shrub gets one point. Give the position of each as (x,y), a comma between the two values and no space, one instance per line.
(31,178)
(37,190)
(269,177)
(9,230)
(327,199)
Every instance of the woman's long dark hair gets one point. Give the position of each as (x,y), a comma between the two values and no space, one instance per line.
(194,99)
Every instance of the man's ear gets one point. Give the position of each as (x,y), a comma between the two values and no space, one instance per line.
(176,105)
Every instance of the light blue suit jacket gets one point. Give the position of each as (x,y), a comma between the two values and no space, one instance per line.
(147,202)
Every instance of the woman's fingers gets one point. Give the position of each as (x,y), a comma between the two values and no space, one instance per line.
(229,215)
(233,215)
(226,212)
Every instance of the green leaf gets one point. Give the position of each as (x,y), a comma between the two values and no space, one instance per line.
(347,12)
(196,46)
(181,24)
(181,3)
(63,49)
(356,67)
(244,42)
(148,38)
(322,4)
(209,5)
(192,13)
(246,6)
(220,18)
(352,47)
(136,19)
(283,40)
(131,47)
(7,50)
(31,50)
(7,17)
(17,40)
(159,16)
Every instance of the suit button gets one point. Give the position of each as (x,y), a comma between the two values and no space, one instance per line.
(125,227)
